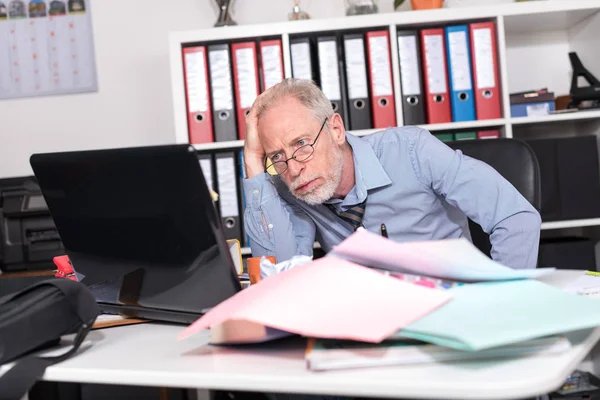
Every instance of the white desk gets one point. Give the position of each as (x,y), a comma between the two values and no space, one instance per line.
(150,355)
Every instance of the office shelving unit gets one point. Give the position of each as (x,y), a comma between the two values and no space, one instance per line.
(534,39)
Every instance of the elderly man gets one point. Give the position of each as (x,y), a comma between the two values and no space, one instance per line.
(308,179)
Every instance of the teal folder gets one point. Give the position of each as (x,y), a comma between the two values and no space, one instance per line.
(486,315)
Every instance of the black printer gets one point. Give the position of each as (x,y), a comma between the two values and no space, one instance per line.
(28,237)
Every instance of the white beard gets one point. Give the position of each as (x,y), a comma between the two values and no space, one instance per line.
(325,191)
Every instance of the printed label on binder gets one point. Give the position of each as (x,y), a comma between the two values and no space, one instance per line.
(484,58)
(228,202)
(328,69)
(435,60)
(409,64)
(459,55)
(301,62)
(271,61)
(246,76)
(382,80)
(356,68)
(197,88)
(221,81)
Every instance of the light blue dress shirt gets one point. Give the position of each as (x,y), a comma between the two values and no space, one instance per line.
(415,184)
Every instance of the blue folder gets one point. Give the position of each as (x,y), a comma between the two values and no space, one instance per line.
(459,68)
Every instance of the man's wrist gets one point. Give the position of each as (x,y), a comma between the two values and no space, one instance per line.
(253,165)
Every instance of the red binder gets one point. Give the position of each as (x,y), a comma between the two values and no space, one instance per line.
(245,81)
(271,62)
(197,98)
(380,74)
(488,134)
(435,75)
(485,70)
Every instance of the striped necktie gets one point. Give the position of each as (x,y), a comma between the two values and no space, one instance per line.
(353,215)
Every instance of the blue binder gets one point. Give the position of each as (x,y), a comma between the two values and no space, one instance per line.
(459,67)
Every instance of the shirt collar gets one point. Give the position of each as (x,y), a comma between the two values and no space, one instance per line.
(368,171)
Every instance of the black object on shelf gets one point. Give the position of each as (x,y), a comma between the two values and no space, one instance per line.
(570,177)
(580,385)
(28,237)
(567,253)
(589,93)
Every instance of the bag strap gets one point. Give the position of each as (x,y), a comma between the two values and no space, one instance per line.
(17,381)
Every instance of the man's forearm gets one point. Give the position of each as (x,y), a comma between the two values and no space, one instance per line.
(515,240)
(273,227)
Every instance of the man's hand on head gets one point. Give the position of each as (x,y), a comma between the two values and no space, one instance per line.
(254,153)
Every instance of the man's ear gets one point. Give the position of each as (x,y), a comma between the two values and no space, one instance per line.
(336,127)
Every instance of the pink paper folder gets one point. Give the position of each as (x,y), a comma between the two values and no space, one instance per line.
(327,298)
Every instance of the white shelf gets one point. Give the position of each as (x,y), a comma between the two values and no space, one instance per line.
(233,144)
(565,13)
(575,223)
(451,126)
(545,18)
(579,115)
(484,123)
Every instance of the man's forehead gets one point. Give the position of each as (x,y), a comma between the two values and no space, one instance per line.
(275,138)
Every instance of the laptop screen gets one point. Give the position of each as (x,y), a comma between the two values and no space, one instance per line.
(139,226)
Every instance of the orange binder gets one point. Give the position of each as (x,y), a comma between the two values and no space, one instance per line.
(435,75)
(485,70)
(197,98)
(271,62)
(245,80)
(380,73)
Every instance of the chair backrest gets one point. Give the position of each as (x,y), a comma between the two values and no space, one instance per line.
(515,161)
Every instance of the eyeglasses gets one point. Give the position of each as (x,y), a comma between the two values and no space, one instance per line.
(301,154)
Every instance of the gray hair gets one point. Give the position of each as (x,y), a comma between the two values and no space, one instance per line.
(303,90)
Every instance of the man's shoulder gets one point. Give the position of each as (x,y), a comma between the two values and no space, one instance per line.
(400,136)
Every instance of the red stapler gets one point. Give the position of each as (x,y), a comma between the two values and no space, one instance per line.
(64,268)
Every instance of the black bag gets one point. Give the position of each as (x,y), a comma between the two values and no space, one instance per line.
(36,318)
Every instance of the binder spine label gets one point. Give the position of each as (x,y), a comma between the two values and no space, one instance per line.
(196,82)
(382,80)
(356,69)
(227,187)
(409,65)
(328,69)
(206,168)
(221,79)
(301,62)
(271,60)
(245,64)
(484,58)
(459,57)
(435,62)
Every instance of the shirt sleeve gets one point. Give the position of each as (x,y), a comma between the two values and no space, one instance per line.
(484,195)
(274,226)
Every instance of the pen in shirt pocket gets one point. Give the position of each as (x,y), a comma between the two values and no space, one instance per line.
(384,232)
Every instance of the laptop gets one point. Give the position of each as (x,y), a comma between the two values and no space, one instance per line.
(140,229)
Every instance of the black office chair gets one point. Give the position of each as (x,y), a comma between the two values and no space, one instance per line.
(516,162)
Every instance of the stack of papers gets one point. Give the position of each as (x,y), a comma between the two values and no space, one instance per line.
(455,259)
(324,354)
(498,310)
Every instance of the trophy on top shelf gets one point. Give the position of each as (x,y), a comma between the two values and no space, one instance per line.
(224,13)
